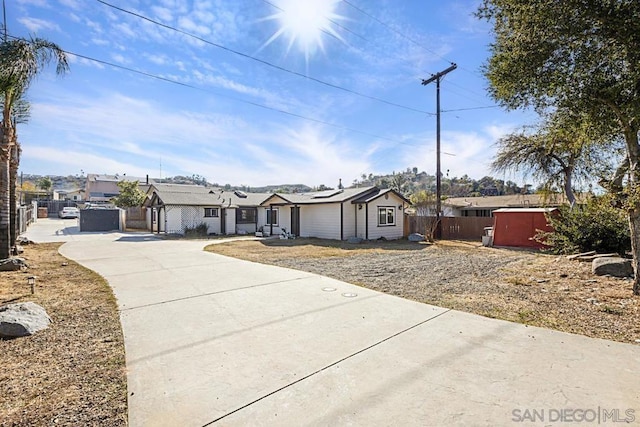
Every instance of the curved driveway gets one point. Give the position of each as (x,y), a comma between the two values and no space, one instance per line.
(215,340)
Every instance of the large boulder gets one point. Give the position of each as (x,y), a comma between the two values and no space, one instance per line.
(12,264)
(416,237)
(22,319)
(612,266)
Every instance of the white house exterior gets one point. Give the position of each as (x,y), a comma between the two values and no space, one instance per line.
(174,208)
(367,213)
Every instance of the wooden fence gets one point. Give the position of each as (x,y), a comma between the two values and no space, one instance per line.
(136,218)
(26,215)
(453,228)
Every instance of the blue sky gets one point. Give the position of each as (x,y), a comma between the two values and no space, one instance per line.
(260,92)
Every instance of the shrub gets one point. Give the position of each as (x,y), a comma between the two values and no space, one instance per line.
(200,230)
(594,226)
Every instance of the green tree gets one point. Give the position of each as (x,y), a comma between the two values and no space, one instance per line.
(593,226)
(20,62)
(130,195)
(45,184)
(579,55)
(563,150)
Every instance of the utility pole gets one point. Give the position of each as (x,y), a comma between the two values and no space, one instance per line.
(4,19)
(436,77)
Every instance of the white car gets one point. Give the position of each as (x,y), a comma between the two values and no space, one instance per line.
(69,212)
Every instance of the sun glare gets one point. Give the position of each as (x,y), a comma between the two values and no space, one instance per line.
(304,23)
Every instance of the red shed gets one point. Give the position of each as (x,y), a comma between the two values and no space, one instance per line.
(517,226)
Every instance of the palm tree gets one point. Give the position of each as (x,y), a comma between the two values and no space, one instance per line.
(20,62)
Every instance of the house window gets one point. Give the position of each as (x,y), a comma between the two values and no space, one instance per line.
(211,212)
(272,216)
(386,216)
(246,216)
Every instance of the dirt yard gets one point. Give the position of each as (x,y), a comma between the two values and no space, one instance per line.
(526,287)
(74,372)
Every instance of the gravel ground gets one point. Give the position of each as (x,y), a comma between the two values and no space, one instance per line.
(415,274)
(521,286)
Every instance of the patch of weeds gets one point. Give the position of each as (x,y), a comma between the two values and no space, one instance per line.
(200,230)
(612,310)
(526,316)
(517,281)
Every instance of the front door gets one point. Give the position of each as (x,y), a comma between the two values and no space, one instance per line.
(295,221)
(223,221)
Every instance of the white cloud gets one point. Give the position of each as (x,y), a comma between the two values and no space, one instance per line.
(462,153)
(158,59)
(62,161)
(76,59)
(39,3)
(73,4)
(120,58)
(35,24)
(163,14)
(125,29)
(101,131)
(190,26)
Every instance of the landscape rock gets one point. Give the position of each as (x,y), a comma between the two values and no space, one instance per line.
(24,241)
(17,250)
(22,319)
(615,266)
(416,237)
(12,264)
(589,258)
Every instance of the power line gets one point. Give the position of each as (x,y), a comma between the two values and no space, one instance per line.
(255,104)
(337,24)
(267,63)
(389,27)
(486,107)
(333,21)
(401,34)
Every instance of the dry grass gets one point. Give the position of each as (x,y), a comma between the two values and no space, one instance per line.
(515,285)
(73,373)
(272,250)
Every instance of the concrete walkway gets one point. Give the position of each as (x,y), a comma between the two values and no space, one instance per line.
(215,340)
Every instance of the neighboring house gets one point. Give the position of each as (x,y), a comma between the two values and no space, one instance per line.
(485,206)
(369,213)
(102,188)
(75,195)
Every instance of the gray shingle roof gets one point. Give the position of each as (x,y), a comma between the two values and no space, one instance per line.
(196,195)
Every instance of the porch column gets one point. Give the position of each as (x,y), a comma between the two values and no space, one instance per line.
(271,222)
(366,221)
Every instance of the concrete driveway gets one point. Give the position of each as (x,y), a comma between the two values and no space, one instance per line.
(215,340)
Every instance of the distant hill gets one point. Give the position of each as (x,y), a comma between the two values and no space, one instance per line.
(69,182)
(282,188)
(411,181)
(406,182)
